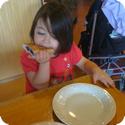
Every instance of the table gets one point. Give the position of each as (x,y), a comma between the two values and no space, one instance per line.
(37,106)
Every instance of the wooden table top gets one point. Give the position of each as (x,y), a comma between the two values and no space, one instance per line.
(37,106)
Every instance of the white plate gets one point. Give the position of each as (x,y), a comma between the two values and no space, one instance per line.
(84,104)
(48,123)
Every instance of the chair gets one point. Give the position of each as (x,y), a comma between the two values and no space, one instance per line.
(99,45)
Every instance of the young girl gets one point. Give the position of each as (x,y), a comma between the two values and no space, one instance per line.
(53,28)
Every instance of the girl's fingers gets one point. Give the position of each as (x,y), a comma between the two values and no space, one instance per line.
(107,81)
(103,81)
(42,57)
(112,84)
(45,55)
(94,79)
(37,58)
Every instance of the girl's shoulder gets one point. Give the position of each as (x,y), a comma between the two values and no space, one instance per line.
(75,54)
(75,48)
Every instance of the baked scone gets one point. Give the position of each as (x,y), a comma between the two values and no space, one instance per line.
(33,49)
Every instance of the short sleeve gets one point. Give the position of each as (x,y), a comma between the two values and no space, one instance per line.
(28,64)
(76,54)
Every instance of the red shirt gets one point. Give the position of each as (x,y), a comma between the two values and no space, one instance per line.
(61,67)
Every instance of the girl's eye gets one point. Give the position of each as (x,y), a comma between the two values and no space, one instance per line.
(40,33)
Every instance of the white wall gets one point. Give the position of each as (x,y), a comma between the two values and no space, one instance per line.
(16,17)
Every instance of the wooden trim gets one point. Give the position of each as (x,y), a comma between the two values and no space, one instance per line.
(12,89)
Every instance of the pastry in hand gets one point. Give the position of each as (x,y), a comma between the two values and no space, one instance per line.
(32,49)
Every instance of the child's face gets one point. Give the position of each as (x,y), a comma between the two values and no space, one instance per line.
(43,37)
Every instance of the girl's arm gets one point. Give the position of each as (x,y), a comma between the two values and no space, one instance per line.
(97,74)
(40,79)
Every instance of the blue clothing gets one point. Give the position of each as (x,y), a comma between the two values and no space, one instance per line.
(114,10)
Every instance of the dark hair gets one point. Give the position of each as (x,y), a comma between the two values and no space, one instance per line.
(72,6)
(61,24)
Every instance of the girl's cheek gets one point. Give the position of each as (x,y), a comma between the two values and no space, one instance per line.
(35,38)
(38,40)
(56,44)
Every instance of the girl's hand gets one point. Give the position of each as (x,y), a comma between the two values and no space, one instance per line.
(100,75)
(42,56)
